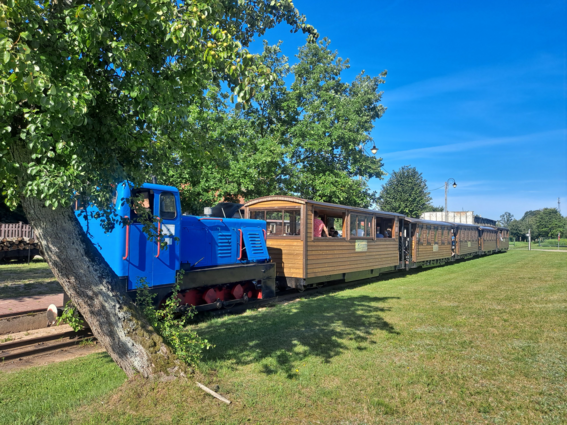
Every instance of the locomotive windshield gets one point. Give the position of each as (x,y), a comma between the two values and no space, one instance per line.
(167,209)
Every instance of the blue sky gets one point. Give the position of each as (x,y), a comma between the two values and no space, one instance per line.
(476,91)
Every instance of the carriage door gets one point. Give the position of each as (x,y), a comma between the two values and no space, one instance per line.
(166,255)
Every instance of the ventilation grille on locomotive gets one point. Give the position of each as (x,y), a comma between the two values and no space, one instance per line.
(224,244)
(255,248)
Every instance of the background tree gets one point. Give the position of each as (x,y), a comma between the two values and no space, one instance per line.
(89,93)
(432,208)
(529,223)
(306,140)
(506,219)
(549,223)
(517,230)
(405,193)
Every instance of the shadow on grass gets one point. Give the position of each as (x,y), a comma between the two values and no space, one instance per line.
(279,337)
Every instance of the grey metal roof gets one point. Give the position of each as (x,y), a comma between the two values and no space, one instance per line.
(419,220)
(321,204)
(464,225)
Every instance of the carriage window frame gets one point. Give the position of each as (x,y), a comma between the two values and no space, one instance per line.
(371,226)
(385,222)
(283,210)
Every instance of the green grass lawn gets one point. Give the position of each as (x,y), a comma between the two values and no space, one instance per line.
(23,280)
(482,341)
(549,244)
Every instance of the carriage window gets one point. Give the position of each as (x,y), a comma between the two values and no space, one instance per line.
(292,222)
(336,226)
(385,228)
(167,207)
(280,222)
(274,223)
(360,226)
(435,237)
(258,215)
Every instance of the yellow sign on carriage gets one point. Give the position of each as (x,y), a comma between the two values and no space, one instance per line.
(361,246)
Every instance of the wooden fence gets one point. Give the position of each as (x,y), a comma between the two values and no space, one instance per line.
(15,230)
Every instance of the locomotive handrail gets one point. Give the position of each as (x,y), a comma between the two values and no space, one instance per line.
(210,218)
(265,235)
(240,256)
(158,238)
(127,253)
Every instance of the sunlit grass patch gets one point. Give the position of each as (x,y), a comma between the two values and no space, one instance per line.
(23,279)
(47,394)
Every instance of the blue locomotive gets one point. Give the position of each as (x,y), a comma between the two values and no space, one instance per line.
(224,260)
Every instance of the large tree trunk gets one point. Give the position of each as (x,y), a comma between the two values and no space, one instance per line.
(93,287)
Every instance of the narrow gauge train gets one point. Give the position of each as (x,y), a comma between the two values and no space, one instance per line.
(232,260)
(360,243)
(224,260)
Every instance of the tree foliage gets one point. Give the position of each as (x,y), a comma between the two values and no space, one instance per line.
(89,95)
(87,89)
(544,223)
(549,223)
(516,229)
(433,208)
(306,140)
(506,219)
(405,193)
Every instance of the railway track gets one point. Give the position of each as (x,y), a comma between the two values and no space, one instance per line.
(28,347)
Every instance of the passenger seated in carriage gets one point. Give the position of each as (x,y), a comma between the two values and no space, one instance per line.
(319,226)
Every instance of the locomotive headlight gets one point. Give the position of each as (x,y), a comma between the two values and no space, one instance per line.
(208,211)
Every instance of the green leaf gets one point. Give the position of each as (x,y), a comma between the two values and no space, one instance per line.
(6,58)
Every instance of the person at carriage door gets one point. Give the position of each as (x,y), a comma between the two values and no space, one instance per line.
(318,226)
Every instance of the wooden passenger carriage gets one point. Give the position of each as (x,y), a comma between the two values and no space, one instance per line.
(356,252)
(429,242)
(487,239)
(466,240)
(502,239)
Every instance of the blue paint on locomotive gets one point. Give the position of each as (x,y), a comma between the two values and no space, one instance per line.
(192,242)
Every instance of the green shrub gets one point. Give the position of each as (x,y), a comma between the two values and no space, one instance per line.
(71,317)
(171,324)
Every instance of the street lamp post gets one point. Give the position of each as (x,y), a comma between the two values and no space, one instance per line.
(447,188)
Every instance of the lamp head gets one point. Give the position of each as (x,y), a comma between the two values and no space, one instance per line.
(374,150)
(455,184)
